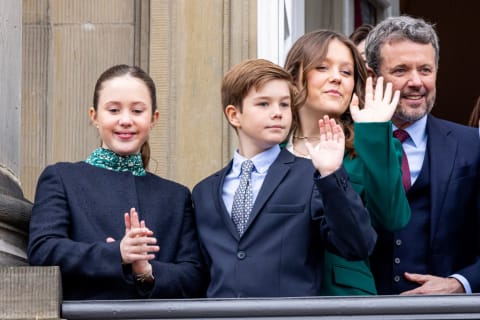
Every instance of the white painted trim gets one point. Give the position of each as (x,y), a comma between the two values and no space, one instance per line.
(294,18)
(268,29)
(279,24)
(348,17)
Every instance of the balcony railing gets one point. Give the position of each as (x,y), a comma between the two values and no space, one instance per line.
(379,307)
(36,293)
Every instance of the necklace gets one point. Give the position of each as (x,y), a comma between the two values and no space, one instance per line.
(306,138)
(299,139)
(298,152)
(301,154)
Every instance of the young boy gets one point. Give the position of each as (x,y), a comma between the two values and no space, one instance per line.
(266,239)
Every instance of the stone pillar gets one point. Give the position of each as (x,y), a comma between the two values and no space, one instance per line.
(67,44)
(192,44)
(10,85)
(14,209)
(30,293)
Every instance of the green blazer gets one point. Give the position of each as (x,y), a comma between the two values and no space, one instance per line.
(375,173)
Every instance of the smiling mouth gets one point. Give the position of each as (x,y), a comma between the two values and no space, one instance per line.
(334,92)
(413,97)
(125,135)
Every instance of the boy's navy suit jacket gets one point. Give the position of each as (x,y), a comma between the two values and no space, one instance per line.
(295,216)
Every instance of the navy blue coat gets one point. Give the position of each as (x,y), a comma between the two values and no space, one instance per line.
(292,221)
(77,206)
(453,240)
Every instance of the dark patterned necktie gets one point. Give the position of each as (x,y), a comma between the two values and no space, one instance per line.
(243,198)
(403,135)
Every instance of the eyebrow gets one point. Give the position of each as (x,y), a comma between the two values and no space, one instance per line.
(330,60)
(271,97)
(115,102)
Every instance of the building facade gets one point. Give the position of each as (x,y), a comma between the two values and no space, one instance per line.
(186,45)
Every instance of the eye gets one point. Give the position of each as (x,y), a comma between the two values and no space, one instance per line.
(262,104)
(426,71)
(285,104)
(113,110)
(138,108)
(399,71)
(321,68)
(347,72)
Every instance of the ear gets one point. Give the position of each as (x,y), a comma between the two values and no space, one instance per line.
(155,117)
(232,113)
(93,116)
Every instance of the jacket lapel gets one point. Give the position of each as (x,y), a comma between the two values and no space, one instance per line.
(443,148)
(276,173)
(217,189)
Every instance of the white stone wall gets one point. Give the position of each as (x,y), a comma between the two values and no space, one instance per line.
(10,82)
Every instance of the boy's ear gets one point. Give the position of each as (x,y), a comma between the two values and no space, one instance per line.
(232,113)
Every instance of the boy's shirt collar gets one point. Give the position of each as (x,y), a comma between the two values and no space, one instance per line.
(261,161)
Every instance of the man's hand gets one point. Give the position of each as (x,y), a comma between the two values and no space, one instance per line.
(433,285)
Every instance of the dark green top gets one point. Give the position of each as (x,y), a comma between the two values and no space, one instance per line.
(376,175)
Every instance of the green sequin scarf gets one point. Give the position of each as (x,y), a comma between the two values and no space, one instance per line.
(107,159)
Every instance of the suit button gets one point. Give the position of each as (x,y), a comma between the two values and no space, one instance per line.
(398,242)
(397,260)
(241,255)
(396,279)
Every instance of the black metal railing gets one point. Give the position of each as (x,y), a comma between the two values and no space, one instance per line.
(371,307)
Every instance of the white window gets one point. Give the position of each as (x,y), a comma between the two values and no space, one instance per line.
(281,22)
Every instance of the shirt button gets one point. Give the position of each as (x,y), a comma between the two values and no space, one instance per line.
(396,279)
(241,255)
(398,242)
(397,260)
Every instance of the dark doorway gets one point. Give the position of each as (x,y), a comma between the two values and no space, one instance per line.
(457,24)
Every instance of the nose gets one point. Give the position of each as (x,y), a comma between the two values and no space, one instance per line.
(415,79)
(276,111)
(125,118)
(335,75)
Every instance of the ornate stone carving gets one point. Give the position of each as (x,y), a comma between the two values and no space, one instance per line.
(15,213)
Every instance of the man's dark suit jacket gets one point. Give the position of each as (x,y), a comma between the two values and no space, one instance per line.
(280,253)
(454,237)
(77,206)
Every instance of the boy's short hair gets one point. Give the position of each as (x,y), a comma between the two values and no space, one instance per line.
(253,73)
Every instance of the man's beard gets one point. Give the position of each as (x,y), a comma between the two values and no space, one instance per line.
(411,116)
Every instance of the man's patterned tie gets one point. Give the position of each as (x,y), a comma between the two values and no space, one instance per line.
(243,198)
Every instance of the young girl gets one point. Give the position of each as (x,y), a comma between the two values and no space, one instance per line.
(330,74)
(115,230)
